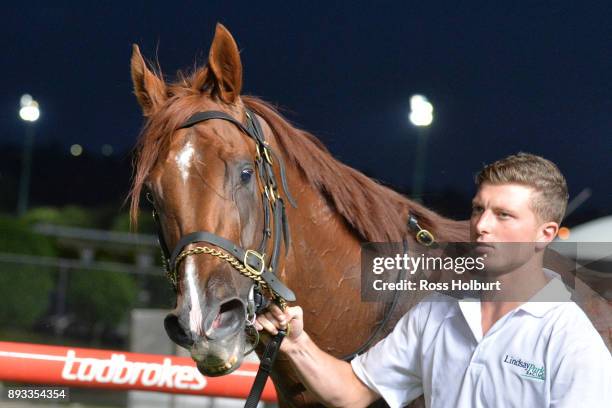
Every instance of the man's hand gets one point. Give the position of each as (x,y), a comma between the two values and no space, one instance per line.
(291,320)
(332,381)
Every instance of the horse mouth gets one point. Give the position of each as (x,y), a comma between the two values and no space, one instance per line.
(214,367)
(220,356)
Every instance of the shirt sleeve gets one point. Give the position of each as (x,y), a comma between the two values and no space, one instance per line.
(583,377)
(392,368)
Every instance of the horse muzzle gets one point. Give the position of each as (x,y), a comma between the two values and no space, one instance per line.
(219,357)
(218,344)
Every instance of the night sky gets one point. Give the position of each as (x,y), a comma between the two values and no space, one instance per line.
(502,78)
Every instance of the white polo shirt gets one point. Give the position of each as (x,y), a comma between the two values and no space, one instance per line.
(541,354)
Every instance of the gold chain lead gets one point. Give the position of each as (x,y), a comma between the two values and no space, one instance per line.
(235,263)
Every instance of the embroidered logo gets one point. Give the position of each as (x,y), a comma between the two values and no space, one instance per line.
(530,369)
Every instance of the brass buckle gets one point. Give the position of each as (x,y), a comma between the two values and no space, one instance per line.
(425,237)
(270,194)
(257,152)
(266,150)
(256,255)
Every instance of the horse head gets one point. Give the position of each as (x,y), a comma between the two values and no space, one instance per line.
(203,176)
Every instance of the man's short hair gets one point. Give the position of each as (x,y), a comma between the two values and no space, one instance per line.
(536,172)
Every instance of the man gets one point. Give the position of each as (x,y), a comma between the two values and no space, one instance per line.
(499,351)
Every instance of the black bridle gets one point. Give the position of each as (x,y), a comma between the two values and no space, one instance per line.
(249,262)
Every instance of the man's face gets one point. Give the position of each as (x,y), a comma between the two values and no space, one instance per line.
(502,217)
(502,213)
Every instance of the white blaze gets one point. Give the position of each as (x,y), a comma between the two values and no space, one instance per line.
(195,312)
(183,160)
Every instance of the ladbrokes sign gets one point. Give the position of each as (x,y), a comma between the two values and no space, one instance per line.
(118,370)
(79,367)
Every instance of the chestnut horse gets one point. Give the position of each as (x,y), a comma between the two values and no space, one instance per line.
(204,177)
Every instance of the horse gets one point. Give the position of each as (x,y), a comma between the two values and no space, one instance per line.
(215,175)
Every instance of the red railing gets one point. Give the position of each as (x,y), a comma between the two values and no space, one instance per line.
(119,370)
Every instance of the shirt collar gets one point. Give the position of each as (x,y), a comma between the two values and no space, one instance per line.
(554,294)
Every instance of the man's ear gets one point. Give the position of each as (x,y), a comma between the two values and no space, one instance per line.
(547,232)
(150,90)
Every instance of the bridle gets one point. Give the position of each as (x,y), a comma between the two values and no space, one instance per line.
(247,261)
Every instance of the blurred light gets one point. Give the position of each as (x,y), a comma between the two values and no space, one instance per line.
(29,108)
(564,233)
(25,100)
(107,150)
(76,150)
(421,111)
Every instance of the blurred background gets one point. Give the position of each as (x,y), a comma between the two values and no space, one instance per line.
(417,96)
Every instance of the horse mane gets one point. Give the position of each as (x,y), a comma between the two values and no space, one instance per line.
(374,212)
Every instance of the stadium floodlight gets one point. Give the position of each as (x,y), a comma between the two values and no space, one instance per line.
(29,109)
(421,111)
(29,113)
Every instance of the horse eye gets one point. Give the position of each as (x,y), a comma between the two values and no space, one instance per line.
(245,175)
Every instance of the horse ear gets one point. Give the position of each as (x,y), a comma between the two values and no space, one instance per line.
(225,65)
(150,90)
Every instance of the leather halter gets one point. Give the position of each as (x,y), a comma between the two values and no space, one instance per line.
(250,262)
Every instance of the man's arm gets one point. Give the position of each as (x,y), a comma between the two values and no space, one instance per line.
(331,380)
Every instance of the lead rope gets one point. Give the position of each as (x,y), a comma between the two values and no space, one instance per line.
(265,367)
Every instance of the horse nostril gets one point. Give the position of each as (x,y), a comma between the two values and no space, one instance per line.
(231,305)
(176,332)
(228,321)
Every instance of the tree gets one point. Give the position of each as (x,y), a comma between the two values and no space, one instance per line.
(24,289)
(100,296)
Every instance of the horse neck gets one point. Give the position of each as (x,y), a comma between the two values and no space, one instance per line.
(317,228)
(323,268)
(320,232)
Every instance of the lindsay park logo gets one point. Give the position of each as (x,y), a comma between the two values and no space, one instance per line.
(531,370)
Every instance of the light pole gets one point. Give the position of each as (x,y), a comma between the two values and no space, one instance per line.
(421,116)
(29,113)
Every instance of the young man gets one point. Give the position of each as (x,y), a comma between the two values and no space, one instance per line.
(500,351)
